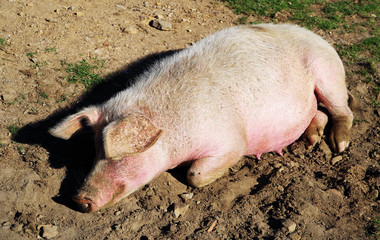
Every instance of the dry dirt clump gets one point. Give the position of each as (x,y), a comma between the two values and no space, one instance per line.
(306,194)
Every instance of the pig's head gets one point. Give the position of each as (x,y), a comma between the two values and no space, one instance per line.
(128,156)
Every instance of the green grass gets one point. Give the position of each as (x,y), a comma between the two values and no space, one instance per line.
(38,64)
(13,129)
(31,54)
(331,15)
(83,72)
(20,99)
(374,228)
(63,98)
(50,50)
(43,95)
(3,42)
(365,54)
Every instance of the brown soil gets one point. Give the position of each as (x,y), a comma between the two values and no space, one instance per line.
(301,195)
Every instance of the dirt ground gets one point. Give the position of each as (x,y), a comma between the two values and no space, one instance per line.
(306,194)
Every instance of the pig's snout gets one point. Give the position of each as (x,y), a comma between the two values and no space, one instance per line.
(85,204)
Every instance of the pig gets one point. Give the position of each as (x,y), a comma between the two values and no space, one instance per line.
(245,90)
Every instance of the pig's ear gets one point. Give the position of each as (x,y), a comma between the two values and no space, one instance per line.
(129,135)
(73,123)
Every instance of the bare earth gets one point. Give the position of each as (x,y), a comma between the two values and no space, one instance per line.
(306,194)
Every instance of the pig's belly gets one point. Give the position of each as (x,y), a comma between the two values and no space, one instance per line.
(272,132)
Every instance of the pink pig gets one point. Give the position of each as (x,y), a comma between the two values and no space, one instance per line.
(245,90)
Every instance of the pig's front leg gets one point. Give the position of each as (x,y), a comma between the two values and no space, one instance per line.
(205,170)
(314,132)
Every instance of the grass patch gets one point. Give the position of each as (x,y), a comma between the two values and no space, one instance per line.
(13,129)
(47,50)
(31,54)
(38,64)
(331,14)
(374,228)
(20,99)
(3,42)
(63,98)
(44,95)
(83,72)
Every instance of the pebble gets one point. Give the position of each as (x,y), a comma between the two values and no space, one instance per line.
(180,210)
(160,25)
(187,196)
(48,231)
(290,225)
(117,213)
(130,30)
(79,14)
(159,16)
(336,159)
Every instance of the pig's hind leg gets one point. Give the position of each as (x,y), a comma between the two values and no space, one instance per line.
(330,88)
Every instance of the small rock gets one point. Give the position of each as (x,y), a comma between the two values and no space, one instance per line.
(48,231)
(117,213)
(290,225)
(130,30)
(79,14)
(161,25)
(180,210)
(187,196)
(159,16)
(336,159)
(51,20)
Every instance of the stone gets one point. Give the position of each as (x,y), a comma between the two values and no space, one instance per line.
(290,225)
(79,14)
(130,30)
(160,25)
(336,159)
(180,210)
(48,231)
(186,196)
